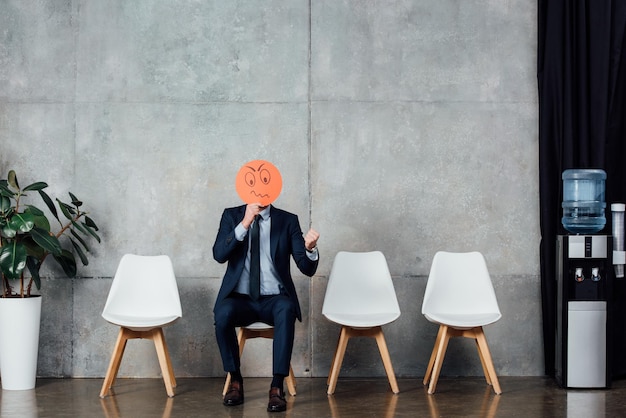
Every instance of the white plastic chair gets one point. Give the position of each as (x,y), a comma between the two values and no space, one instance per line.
(460,298)
(361,298)
(143,299)
(259,330)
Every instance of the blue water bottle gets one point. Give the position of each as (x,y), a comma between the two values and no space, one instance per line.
(583,200)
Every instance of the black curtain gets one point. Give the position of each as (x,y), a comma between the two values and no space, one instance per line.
(581,73)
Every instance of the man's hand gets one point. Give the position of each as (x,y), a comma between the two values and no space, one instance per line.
(252,210)
(310,239)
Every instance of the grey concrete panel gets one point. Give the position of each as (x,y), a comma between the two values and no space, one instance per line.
(191,340)
(93,337)
(411,179)
(37,142)
(38,55)
(207,51)
(56,328)
(159,176)
(516,341)
(423,50)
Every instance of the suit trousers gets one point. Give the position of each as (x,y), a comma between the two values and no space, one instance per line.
(240,310)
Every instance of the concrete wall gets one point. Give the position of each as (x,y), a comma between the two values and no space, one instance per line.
(407,127)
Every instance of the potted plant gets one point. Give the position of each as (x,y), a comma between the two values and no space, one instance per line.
(26,241)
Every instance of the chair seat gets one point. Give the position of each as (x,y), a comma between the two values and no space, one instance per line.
(139,323)
(362,320)
(258,326)
(463,321)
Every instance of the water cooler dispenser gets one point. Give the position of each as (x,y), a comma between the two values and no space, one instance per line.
(584,276)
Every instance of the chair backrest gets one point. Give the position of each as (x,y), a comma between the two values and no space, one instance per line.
(360,283)
(459,283)
(143,286)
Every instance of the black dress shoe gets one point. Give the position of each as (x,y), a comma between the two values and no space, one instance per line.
(234,396)
(277,401)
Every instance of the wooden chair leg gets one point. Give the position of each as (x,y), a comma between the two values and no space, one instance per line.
(114,364)
(482,360)
(338,359)
(332,361)
(226,384)
(484,350)
(441,353)
(291,382)
(384,354)
(433,356)
(441,345)
(344,336)
(156,335)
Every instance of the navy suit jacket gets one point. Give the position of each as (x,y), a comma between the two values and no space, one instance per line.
(286,241)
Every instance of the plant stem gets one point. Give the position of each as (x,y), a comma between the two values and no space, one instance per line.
(65,228)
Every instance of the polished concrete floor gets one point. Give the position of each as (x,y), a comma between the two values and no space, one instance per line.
(456,397)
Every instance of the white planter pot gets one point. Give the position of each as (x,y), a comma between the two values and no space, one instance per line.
(19,341)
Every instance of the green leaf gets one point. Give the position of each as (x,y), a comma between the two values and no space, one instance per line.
(46,241)
(5,190)
(22,222)
(42,223)
(67,262)
(12,178)
(35,186)
(80,239)
(12,259)
(90,223)
(75,200)
(79,227)
(34,210)
(33,265)
(40,219)
(5,204)
(81,254)
(92,232)
(33,249)
(5,217)
(8,231)
(66,209)
(49,203)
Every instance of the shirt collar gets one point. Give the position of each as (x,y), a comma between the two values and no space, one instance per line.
(265,213)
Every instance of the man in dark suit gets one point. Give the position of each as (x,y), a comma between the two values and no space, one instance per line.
(274,301)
